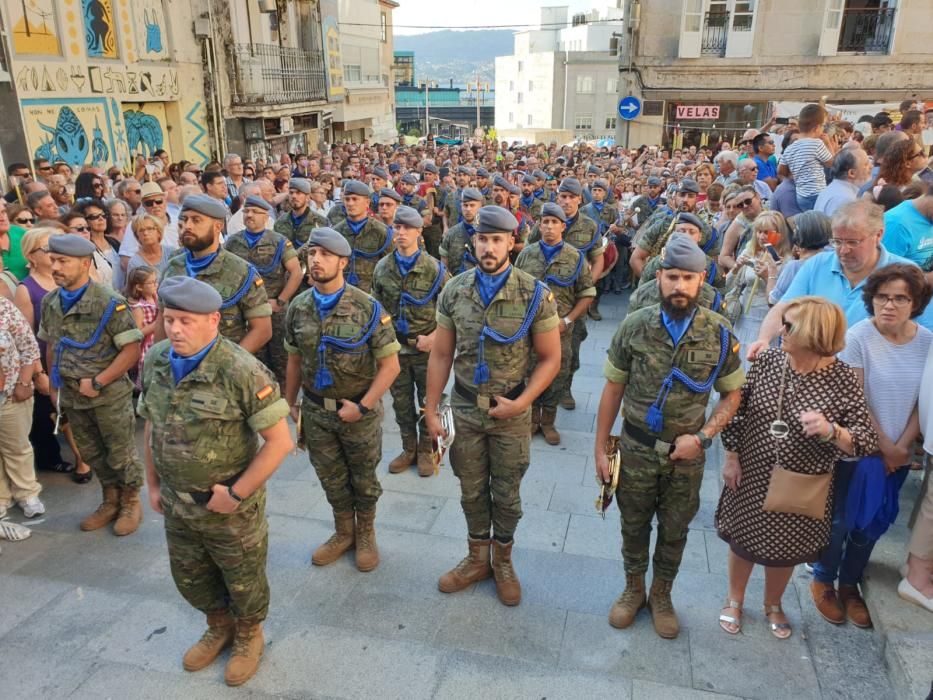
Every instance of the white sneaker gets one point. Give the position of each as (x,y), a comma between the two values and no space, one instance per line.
(13,531)
(906,591)
(32,507)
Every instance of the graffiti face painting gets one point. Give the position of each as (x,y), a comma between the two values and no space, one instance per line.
(98,28)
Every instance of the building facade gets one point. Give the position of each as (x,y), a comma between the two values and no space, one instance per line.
(443,111)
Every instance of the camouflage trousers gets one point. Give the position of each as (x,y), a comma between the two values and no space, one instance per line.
(106,438)
(345,456)
(550,396)
(273,354)
(408,391)
(218,560)
(579,335)
(490,457)
(432,236)
(649,486)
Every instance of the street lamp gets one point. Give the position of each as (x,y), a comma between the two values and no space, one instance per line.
(479,89)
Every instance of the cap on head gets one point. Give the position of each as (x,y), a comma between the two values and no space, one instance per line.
(380,172)
(500,181)
(258,202)
(463,170)
(391,193)
(302,184)
(329,239)
(72,245)
(571,185)
(151,189)
(189,294)
(601,184)
(471,194)
(356,187)
(654,181)
(406,216)
(540,175)
(394,167)
(493,219)
(482,172)
(410,179)
(552,209)
(688,186)
(430,168)
(529,180)
(203,204)
(682,253)
(594,170)
(686,217)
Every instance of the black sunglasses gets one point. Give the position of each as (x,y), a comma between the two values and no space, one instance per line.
(27,220)
(788,326)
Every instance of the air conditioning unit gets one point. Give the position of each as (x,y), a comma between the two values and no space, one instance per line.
(287,125)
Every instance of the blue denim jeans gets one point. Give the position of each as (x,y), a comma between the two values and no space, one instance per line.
(806,203)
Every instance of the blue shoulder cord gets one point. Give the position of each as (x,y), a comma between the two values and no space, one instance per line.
(322,377)
(241,292)
(567,281)
(354,278)
(596,237)
(655,417)
(713,237)
(276,259)
(67,343)
(717,300)
(481,373)
(406,298)
(711,271)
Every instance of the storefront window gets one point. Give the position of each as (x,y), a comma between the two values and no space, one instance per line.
(707,123)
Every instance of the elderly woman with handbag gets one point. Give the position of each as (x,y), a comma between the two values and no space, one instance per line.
(802,410)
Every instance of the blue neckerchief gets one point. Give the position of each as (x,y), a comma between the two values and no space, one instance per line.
(484,192)
(325,303)
(489,285)
(676,327)
(182,366)
(527,200)
(228,200)
(406,199)
(598,206)
(356,227)
(469,228)
(538,193)
(297,220)
(252,239)
(195,265)
(406,299)
(571,222)
(405,264)
(653,202)
(69,299)
(550,250)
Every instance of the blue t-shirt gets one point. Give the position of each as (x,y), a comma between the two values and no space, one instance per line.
(766,168)
(909,233)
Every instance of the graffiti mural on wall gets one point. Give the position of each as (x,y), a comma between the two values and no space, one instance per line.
(151,83)
(99,35)
(34,27)
(78,132)
(151,32)
(143,132)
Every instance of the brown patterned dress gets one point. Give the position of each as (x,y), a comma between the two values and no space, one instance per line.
(786,539)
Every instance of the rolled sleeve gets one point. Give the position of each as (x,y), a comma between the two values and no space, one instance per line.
(386,350)
(259,311)
(268,416)
(614,374)
(134,335)
(445,322)
(290,349)
(731,381)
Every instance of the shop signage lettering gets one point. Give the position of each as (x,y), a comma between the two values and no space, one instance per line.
(697,111)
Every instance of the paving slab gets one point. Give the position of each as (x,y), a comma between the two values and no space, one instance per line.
(112,680)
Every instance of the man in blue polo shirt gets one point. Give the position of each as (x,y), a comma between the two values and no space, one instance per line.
(908,231)
(840,275)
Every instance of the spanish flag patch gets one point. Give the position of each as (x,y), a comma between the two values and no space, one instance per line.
(385,319)
(550,296)
(259,281)
(120,307)
(288,243)
(265,392)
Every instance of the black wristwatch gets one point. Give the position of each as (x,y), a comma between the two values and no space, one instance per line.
(96,385)
(233,494)
(363,409)
(705,442)
(281,301)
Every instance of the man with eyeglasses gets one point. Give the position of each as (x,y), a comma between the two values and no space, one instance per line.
(155,203)
(839,275)
(387,205)
(851,169)
(233,165)
(748,175)
(43,168)
(908,231)
(18,175)
(130,191)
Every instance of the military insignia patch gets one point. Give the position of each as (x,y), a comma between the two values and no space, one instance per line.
(120,307)
(265,392)
(735,348)
(386,319)
(259,281)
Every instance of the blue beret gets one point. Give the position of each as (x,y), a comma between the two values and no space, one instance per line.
(331,240)
(482,172)
(380,172)
(463,170)
(571,185)
(552,209)
(189,294)
(410,179)
(390,193)
(430,168)
(408,217)
(688,185)
(72,245)
(499,181)
(301,184)
(593,169)
(356,187)
(203,204)
(654,181)
(529,180)
(493,219)
(256,201)
(682,253)
(394,167)
(686,217)
(601,184)
(540,174)
(471,194)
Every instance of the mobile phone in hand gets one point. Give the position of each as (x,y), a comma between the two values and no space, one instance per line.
(772,251)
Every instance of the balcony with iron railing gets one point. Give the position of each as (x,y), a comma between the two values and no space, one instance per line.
(267,74)
(715,34)
(867,30)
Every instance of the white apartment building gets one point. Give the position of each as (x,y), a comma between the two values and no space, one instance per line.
(560,83)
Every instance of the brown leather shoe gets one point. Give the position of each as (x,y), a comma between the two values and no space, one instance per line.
(106,512)
(367,553)
(662,610)
(472,568)
(340,542)
(623,611)
(548,416)
(247,651)
(221,628)
(407,457)
(508,587)
(826,602)
(131,512)
(855,607)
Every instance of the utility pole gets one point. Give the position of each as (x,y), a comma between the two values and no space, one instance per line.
(626,55)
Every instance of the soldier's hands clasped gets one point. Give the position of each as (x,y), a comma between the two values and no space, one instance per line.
(686,447)
(221,501)
(506,408)
(349,412)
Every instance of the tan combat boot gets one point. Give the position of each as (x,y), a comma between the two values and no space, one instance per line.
(407,456)
(567,402)
(247,651)
(340,542)
(662,609)
(535,419)
(221,629)
(474,567)
(548,416)
(367,553)
(425,457)
(131,512)
(623,611)
(106,512)
(508,587)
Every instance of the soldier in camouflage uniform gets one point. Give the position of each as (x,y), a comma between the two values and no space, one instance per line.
(564,270)
(482,184)
(665,429)
(452,214)
(246,315)
(407,283)
(368,237)
(408,187)
(378,182)
(507,196)
(489,322)
(696,228)
(276,260)
(297,223)
(605,216)
(581,232)
(429,191)
(387,205)
(645,204)
(92,342)
(204,399)
(343,355)
(456,250)
(530,204)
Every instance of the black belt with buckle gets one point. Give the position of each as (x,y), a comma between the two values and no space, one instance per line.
(643,437)
(330,404)
(202,497)
(487,402)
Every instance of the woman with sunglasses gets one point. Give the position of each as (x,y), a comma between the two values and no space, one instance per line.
(747,205)
(89,185)
(107,257)
(21,215)
(901,162)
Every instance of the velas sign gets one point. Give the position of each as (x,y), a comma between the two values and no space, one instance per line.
(697,112)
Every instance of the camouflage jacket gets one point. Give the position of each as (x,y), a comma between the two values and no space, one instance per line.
(230,275)
(204,428)
(645,207)
(604,219)
(563,267)
(648,294)
(81,324)
(371,240)
(532,210)
(457,247)
(419,204)
(299,234)
(654,234)
(642,355)
(268,256)
(388,285)
(352,371)
(460,310)
(582,232)
(336,214)
(452,207)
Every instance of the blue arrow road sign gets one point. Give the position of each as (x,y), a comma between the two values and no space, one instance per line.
(629,107)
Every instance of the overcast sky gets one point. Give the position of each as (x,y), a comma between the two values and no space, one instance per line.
(443,14)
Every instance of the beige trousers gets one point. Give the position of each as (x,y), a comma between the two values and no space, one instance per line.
(921,539)
(17,471)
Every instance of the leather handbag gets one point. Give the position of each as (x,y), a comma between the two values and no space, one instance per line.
(802,494)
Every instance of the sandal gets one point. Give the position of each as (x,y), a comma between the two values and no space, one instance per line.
(781,630)
(729,619)
(82,477)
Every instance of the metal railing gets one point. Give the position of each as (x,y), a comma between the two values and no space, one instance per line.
(271,74)
(715,33)
(867,30)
